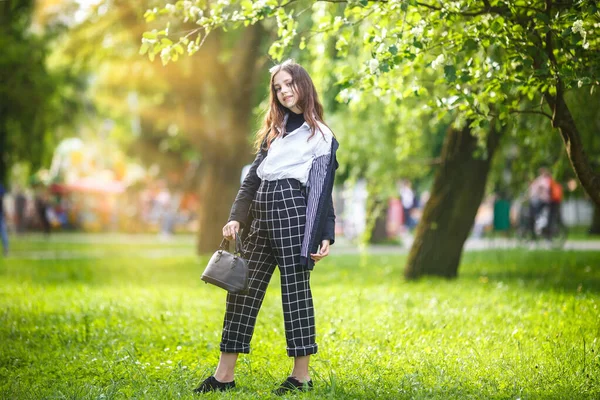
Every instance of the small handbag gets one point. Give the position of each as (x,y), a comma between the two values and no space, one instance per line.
(226,270)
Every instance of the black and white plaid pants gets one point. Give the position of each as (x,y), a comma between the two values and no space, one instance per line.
(275,238)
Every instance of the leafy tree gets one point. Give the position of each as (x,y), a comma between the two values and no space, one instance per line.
(488,63)
(136,104)
(489,51)
(585,106)
(197,111)
(34,101)
(522,155)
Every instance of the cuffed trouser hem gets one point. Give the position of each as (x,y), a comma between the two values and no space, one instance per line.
(302,351)
(243,350)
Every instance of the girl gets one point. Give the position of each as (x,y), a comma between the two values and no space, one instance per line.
(286,211)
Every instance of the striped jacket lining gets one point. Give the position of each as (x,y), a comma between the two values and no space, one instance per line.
(315,188)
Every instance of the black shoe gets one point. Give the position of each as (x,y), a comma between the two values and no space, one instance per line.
(211,384)
(292,384)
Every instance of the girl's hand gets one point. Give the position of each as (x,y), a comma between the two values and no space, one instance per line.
(323,251)
(229,230)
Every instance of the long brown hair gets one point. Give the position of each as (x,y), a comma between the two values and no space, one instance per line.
(308,102)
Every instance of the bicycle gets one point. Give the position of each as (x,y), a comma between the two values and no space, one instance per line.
(548,225)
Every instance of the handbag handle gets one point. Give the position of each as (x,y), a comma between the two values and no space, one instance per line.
(238,244)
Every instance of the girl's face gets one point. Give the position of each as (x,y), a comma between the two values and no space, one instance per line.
(286,93)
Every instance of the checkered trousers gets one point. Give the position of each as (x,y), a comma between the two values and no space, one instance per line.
(275,238)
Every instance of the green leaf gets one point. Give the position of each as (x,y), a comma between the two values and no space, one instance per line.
(496,26)
(150,35)
(144,48)
(246,6)
(450,73)
(149,15)
(484,108)
(543,17)
(407,55)
(470,44)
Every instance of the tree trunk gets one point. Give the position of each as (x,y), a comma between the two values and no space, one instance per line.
(220,180)
(379,231)
(563,120)
(228,102)
(448,216)
(595,228)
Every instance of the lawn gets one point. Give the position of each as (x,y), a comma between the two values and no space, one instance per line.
(133,320)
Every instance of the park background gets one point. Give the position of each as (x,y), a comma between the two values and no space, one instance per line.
(132,121)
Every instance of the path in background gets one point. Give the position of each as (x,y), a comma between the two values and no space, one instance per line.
(110,238)
(81,246)
(474,245)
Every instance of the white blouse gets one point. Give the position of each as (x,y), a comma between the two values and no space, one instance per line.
(292,156)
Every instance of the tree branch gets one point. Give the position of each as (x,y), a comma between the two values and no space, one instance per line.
(487,9)
(494,115)
(549,47)
(531,112)
(430,6)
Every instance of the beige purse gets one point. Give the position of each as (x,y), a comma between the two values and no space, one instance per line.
(228,270)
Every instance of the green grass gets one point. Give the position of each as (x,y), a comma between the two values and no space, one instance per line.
(121,324)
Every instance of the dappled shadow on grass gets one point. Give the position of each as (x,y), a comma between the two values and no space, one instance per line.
(569,271)
(359,270)
(572,271)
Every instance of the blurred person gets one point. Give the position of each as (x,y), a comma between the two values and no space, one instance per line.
(161,210)
(169,218)
(484,217)
(407,195)
(556,198)
(144,203)
(3,230)
(20,206)
(420,202)
(539,195)
(283,224)
(423,199)
(159,201)
(41,206)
